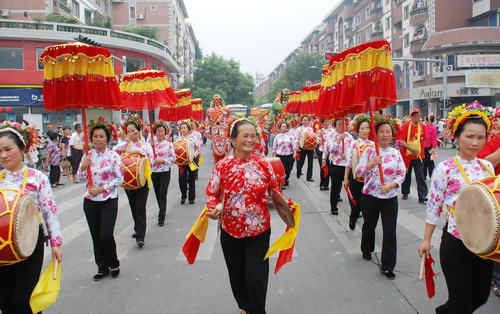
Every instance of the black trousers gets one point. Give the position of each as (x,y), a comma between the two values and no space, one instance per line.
(187,177)
(76,157)
(418,165)
(101,218)
(19,280)
(55,174)
(301,161)
(323,180)
(428,163)
(248,272)
(287,161)
(468,277)
(388,210)
(355,186)
(337,177)
(161,181)
(137,200)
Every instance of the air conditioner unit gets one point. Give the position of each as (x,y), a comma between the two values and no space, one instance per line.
(5,12)
(139,16)
(449,68)
(436,69)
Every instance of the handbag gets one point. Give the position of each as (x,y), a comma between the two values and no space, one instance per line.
(65,163)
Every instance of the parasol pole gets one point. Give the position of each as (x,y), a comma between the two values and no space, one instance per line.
(151,114)
(375,140)
(86,144)
(343,131)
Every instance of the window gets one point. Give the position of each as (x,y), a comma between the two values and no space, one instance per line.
(134,64)
(75,8)
(98,3)
(388,23)
(407,12)
(368,12)
(358,39)
(399,77)
(368,34)
(11,58)
(154,66)
(153,8)
(39,52)
(419,68)
(407,75)
(132,12)
(407,40)
(358,19)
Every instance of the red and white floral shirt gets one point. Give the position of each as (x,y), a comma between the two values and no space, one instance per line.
(165,151)
(335,149)
(283,144)
(244,186)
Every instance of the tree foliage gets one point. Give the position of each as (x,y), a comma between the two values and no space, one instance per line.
(215,75)
(150,32)
(306,67)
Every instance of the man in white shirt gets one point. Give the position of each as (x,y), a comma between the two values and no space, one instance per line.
(76,145)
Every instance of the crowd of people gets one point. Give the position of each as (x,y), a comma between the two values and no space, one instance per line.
(372,159)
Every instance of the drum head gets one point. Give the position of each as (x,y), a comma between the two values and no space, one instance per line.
(190,151)
(141,177)
(354,163)
(26,227)
(302,139)
(477,219)
(272,159)
(283,208)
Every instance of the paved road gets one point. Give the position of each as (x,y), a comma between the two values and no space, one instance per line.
(327,274)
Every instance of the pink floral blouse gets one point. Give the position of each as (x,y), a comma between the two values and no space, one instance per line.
(164,150)
(38,188)
(357,145)
(283,144)
(446,184)
(335,149)
(323,134)
(199,140)
(140,147)
(244,185)
(107,172)
(393,168)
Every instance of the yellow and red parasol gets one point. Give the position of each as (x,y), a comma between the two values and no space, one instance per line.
(197,108)
(79,76)
(182,110)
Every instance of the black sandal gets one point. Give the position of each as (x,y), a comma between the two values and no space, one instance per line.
(115,272)
(99,276)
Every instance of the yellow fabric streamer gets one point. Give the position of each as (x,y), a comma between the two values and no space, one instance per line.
(192,166)
(200,227)
(47,289)
(287,239)
(147,172)
(200,161)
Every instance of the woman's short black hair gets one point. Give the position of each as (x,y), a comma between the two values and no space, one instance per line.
(161,126)
(382,123)
(15,138)
(137,127)
(188,125)
(471,119)
(53,135)
(360,123)
(235,132)
(106,131)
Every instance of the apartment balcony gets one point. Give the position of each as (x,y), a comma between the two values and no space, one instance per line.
(417,44)
(349,31)
(419,15)
(378,35)
(376,13)
(330,28)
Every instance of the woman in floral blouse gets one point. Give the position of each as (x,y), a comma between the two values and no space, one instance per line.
(283,148)
(186,175)
(356,185)
(101,199)
(242,183)
(323,133)
(468,276)
(134,143)
(19,279)
(165,157)
(381,199)
(302,153)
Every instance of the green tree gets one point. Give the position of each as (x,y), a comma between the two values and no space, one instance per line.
(150,32)
(215,75)
(306,67)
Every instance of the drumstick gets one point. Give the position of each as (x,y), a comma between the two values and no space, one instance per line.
(422,266)
(56,262)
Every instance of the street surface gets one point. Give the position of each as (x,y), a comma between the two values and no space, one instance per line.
(326,275)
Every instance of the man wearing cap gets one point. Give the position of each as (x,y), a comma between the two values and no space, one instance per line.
(411,138)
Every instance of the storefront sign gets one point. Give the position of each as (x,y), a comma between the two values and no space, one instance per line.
(21,97)
(472,61)
(454,90)
(482,78)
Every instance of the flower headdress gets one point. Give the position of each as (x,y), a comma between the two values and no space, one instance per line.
(474,110)
(186,122)
(359,119)
(252,120)
(385,118)
(159,123)
(28,134)
(109,127)
(137,121)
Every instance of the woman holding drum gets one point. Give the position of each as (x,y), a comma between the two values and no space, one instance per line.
(468,277)
(101,199)
(136,154)
(187,176)
(242,183)
(29,189)
(283,148)
(353,153)
(304,132)
(325,132)
(165,157)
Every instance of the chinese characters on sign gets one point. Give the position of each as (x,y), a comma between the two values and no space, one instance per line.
(469,61)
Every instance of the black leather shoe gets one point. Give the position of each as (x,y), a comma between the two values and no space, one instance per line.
(321,188)
(327,188)
(339,200)
(334,212)
(183,201)
(367,256)
(191,202)
(352,225)
(115,272)
(100,276)
(388,274)
(140,244)
(310,180)
(422,200)
(405,196)
(134,235)
(161,224)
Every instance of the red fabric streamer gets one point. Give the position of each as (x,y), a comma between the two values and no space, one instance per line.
(348,192)
(190,248)
(297,156)
(284,258)
(181,170)
(429,277)
(325,170)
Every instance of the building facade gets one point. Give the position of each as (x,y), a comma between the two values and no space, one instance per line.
(469,39)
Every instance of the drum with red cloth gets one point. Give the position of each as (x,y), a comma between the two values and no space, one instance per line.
(18,227)
(477,212)
(134,171)
(308,140)
(279,170)
(184,152)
